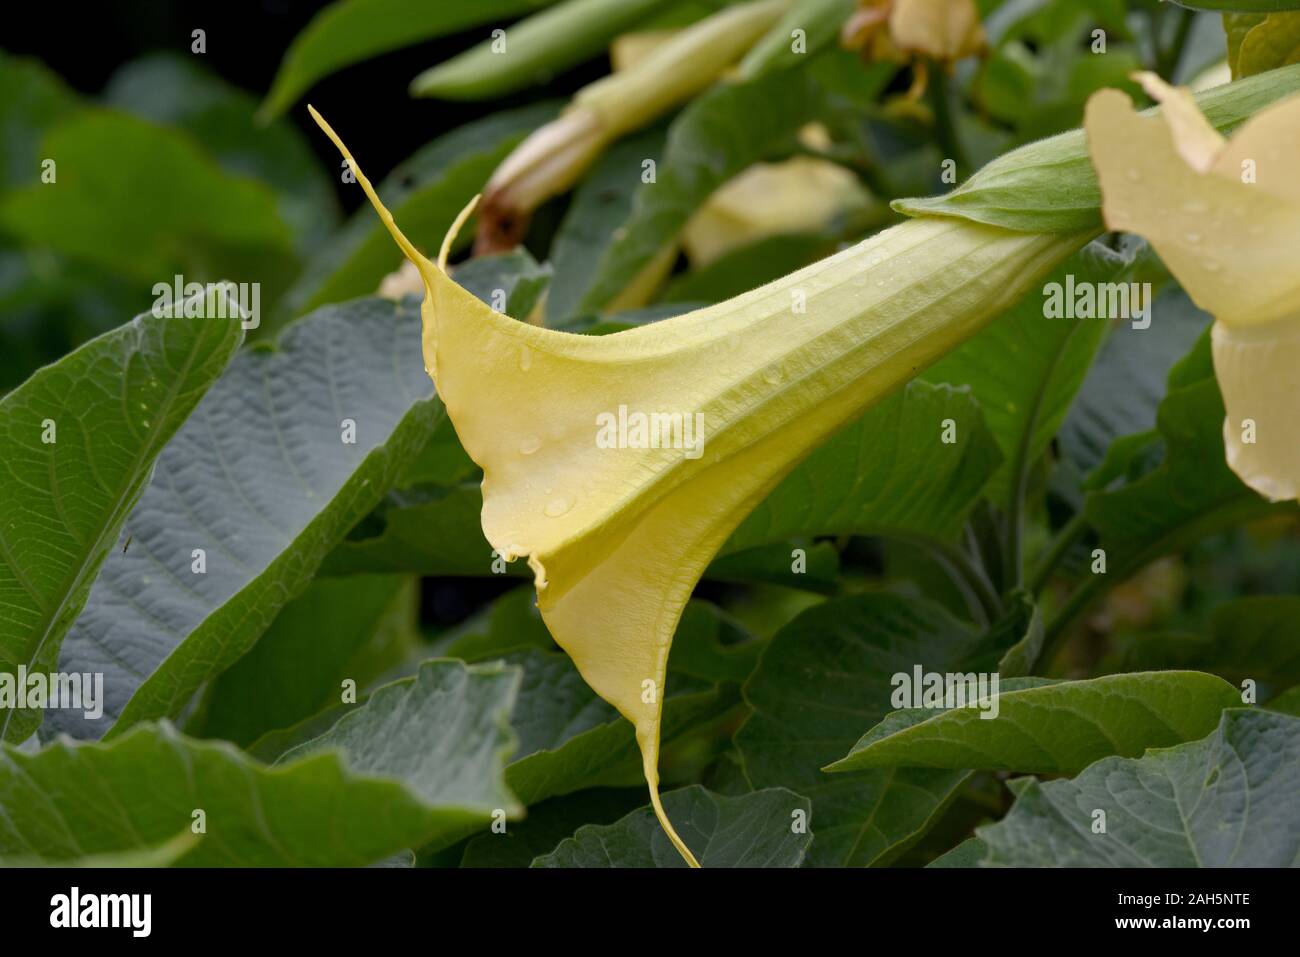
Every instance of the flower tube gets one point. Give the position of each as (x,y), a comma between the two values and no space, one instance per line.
(618,527)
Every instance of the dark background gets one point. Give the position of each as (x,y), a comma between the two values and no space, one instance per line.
(246,40)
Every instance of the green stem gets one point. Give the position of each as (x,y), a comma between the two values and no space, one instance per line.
(1167,59)
(944,127)
(1070,533)
(1013,557)
(965,574)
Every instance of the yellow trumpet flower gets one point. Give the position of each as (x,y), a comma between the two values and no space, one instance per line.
(618,465)
(1224,215)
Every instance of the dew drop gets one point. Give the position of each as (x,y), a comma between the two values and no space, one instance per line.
(525,358)
(558,506)
(772,376)
(530,445)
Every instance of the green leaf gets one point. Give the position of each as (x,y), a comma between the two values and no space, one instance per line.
(1257,637)
(717,135)
(820,22)
(600,208)
(159,207)
(514,277)
(1192,493)
(1235,28)
(424,194)
(33,99)
(1250,6)
(969,853)
(1268,45)
(71,800)
(535,49)
(548,824)
(354,628)
(174,90)
(1125,384)
(1288,702)
(822,677)
(752,830)
(80,439)
(570,739)
(1026,367)
(751,266)
(888,473)
(349,31)
(1050,186)
(444,733)
(1048,727)
(1227,800)
(262,478)
(427,530)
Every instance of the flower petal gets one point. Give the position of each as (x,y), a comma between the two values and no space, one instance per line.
(618,534)
(1256,368)
(1232,245)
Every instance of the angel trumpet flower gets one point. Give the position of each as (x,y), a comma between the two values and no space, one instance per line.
(1224,215)
(618,527)
(555,156)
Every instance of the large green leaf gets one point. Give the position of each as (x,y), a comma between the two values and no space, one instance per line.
(176,91)
(820,679)
(1257,637)
(1049,727)
(413,784)
(719,134)
(349,31)
(1192,493)
(424,194)
(80,438)
(161,206)
(1227,800)
(888,473)
(1025,368)
(760,829)
(1050,185)
(338,629)
(288,451)
(1124,386)
(431,732)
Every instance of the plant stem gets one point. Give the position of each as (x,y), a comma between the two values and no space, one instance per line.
(965,574)
(1167,59)
(944,127)
(1070,533)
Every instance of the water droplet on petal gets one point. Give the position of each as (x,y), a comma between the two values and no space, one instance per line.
(530,445)
(525,358)
(558,506)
